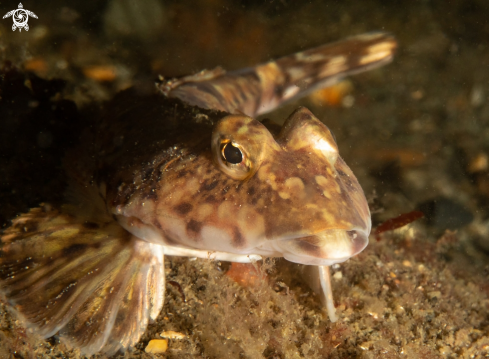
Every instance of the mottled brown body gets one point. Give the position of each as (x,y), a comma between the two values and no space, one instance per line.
(170,190)
(159,175)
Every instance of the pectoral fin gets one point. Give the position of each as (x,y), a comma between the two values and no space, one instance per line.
(93,282)
(319,279)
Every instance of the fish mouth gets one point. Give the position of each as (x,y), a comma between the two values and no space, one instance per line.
(324,248)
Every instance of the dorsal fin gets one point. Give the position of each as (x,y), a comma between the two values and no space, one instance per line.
(260,89)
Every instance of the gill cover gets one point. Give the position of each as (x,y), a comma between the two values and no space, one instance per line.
(327,218)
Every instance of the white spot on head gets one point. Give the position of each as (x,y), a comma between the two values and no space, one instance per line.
(321,181)
(284,195)
(328,150)
(323,145)
(326,194)
(294,183)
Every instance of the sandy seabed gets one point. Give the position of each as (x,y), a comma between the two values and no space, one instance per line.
(415,133)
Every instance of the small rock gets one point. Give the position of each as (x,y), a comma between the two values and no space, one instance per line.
(479,163)
(100,73)
(170,334)
(435,294)
(338,275)
(477,97)
(156,346)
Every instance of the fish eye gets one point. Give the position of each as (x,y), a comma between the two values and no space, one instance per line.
(238,146)
(231,153)
(233,159)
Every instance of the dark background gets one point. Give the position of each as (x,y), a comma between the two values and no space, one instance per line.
(416,134)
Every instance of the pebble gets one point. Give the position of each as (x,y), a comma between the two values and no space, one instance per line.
(338,275)
(170,334)
(479,163)
(434,294)
(156,346)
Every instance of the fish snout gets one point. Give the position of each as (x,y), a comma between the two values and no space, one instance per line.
(327,247)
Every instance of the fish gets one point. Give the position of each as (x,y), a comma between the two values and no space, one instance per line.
(189,171)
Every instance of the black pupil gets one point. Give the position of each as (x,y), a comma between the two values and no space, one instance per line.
(232,154)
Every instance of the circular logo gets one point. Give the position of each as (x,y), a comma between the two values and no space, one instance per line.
(20,18)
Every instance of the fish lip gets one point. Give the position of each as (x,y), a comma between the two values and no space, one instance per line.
(362,243)
(336,246)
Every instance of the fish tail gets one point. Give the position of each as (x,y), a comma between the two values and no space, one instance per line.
(92,281)
(258,90)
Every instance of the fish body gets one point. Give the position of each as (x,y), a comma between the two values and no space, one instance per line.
(177,190)
(188,171)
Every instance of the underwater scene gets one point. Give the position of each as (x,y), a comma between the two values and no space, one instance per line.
(244,179)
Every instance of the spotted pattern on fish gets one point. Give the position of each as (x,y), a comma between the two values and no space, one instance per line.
(154,178)
(260,89)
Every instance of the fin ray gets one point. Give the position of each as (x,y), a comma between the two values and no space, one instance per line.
(261,89)
(95,283)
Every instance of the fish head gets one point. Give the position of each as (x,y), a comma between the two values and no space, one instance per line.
(250,192)
(313,208)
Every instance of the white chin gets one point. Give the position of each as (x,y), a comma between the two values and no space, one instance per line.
(313,261)
(323,249)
